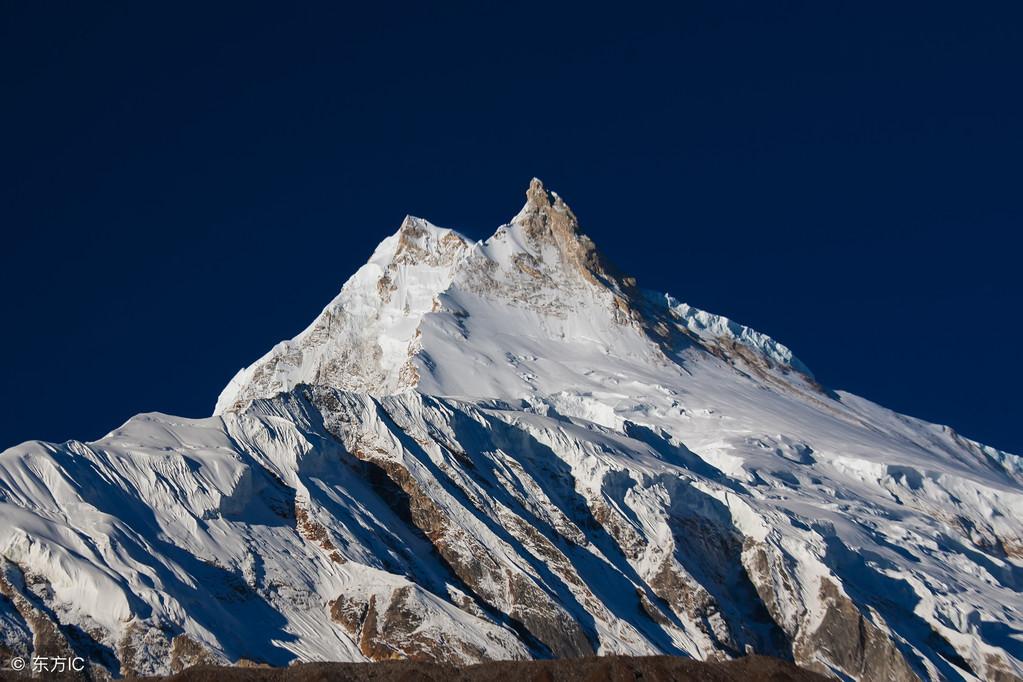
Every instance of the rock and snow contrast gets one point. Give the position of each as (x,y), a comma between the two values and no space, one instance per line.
(507,450)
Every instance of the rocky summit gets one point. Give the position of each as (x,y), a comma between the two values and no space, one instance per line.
(507,450)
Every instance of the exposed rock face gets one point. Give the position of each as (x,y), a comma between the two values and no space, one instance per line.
(854,644)
(314,532)
(47,638)
(547,219)
(350,613)
(504,450)
(185,652)
(396,628)
(145,650)
(31,630)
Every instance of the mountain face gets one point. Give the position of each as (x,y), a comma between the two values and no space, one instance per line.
(507,450)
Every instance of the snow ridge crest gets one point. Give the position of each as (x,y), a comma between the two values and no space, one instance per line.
(372,337)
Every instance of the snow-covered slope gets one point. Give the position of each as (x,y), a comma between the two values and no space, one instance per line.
(361,340)
(506,450)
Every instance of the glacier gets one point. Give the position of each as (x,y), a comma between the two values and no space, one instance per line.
(506,449)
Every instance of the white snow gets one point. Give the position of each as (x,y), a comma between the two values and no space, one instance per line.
(509,383)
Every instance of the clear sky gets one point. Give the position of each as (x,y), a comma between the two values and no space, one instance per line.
(182,185)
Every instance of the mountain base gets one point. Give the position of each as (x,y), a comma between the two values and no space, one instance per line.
(591,669)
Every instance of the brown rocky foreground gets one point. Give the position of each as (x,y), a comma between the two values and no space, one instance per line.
(591,669)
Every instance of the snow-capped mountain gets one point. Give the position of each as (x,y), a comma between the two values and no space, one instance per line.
(505,450)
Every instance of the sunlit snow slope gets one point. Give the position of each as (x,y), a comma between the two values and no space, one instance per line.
(506,449)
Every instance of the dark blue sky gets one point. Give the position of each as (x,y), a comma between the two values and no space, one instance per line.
(185,185)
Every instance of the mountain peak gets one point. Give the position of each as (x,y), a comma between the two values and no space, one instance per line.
(546,220)
(545,208)
(472,435)
(537,194)
(420,241)
(417,313)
